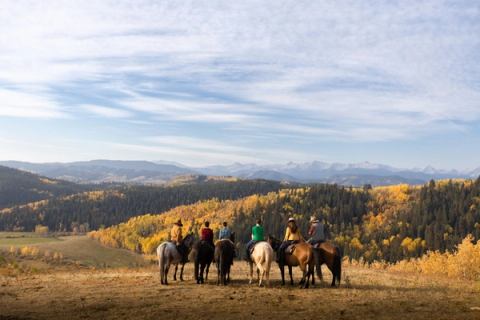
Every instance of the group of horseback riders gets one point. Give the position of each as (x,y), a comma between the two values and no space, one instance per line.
(316,235)
(292,251)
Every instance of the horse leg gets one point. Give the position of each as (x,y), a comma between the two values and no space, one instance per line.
(195,270)
(167,267)
(175,273)
(206,272)
(228,274)
(267,275)
(319,272)
(303,267)
(251,272)
(261,273)
(181,271)
(160,266)
(202,270)
(291,276)
(282,272)
(312,272)
(224,275)
(218,273)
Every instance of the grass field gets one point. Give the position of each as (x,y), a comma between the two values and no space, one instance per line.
(137,294)
(77,249)
(18,239)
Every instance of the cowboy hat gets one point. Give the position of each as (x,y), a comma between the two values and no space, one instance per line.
(179,223)
(291,219)
(313,219)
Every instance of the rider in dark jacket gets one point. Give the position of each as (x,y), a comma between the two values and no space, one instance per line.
(206,234)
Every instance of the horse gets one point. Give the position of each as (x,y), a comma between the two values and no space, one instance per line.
(224,254)
(302,256)
(168,254)
(262,256)
(203,259)
(327,253)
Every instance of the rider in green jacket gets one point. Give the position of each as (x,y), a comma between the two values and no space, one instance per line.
(257,235)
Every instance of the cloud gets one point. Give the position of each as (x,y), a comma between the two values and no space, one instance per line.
(107,111)
(311,71)
(15,103)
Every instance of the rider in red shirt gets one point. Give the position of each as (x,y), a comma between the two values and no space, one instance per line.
(206,234)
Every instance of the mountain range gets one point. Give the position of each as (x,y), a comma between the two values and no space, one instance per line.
(160,172)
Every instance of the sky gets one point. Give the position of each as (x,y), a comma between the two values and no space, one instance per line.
(217,82)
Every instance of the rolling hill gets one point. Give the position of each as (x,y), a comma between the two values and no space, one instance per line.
(383,223)
(20,187)
(105,171)
(101,208)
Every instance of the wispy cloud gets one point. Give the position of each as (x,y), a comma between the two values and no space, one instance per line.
(106,111)
(290,70)
(14,103)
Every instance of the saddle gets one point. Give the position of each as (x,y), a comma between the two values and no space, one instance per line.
(290,249)
(318,245)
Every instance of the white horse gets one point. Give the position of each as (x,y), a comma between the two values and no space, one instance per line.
(262,256)
(168,254)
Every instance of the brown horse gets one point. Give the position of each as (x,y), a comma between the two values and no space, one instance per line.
(302,256)
(223,256)
(327,253)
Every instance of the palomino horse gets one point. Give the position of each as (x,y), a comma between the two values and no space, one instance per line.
(203,259)
(262,256)
(224,254)
(168,254)
(327,253)
(302,256)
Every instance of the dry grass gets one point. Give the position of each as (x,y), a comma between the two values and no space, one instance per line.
(79,250)
(137,294)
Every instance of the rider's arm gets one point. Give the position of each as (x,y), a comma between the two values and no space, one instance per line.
(311,230)
(287,234)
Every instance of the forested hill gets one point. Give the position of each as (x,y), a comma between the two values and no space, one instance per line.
(383,223)
(20,187)
(92,210)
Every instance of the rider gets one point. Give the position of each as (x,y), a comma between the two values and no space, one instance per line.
(176,236)
(257,235)
(316,231)
(292,235)
(206,234)
(225,232)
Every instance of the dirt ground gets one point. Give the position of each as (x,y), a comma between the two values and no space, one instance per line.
(137,294)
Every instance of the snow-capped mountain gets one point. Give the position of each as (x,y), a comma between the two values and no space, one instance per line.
(98,171)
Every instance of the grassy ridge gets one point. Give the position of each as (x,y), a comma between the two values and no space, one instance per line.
(79,250)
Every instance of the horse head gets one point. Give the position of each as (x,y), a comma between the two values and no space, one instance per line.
(274,242)
(232,237)
(189,241)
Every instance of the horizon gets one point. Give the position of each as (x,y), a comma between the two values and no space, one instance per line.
(193,166)
(213,83)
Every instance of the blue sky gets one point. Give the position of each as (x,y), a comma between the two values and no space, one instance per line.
(215,82)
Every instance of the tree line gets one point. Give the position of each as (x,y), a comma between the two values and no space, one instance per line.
(96,209)
(382,223)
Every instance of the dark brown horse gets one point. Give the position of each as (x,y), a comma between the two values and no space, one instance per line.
(302,256)
(327,253)
(203,259)
(224,254)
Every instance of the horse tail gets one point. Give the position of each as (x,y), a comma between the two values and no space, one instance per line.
(221,261)
(268,258)
(196,262)
(161,261)
(337,264)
